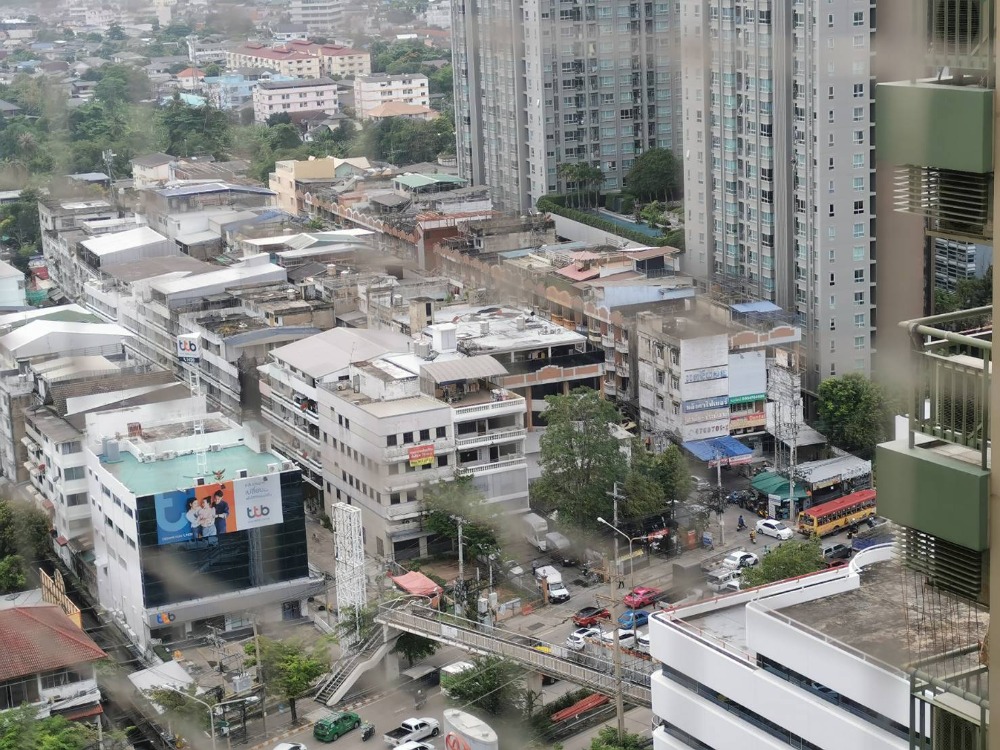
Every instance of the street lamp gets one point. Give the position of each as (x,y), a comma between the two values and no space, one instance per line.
(211,715)
(631,560)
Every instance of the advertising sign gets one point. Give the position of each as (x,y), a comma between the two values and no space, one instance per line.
(205,512)
(421,454)
(188,347)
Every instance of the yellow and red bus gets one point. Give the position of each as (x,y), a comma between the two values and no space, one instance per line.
(831,517)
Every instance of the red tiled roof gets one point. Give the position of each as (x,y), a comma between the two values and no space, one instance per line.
(83,713)
(40,639)
(579,274)
(190,73)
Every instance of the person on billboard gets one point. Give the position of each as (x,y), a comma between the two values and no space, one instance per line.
(221,508)
(192,517)
(206,518)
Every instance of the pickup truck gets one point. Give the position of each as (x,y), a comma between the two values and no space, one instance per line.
(412,729)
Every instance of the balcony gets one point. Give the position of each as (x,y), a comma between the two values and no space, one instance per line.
(490,467)
(493,402)
(935,481)
(621,346)
(610,389)
(394,453)
(607,341)
(486,438)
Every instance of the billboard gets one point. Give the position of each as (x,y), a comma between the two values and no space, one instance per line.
(188,348)
(199,514)
(420,455)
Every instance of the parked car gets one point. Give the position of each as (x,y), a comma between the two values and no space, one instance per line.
(590,616)
(770,527)
(641,596)
(335,726)
(837,552)
(576,640)
(626,637)
(699,484)
(740,559)
(513,568)
(415,746)
(642,641)
(633,618)
(289,746)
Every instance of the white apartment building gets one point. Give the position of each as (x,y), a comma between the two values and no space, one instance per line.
(819,661)
(291,97)
(778,166)
(372,91)
(284,60)
(538,85)
(12,287)
(163,580)
(318,16)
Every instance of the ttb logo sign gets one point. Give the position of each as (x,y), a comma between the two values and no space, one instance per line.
(165,618)
(188,348)
(258,511)
(456,742)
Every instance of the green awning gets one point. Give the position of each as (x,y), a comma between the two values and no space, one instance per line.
(772,483)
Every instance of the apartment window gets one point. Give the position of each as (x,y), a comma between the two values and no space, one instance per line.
(829,21)
(394,498)
(859,342)
(859,91)
(858,18)
(829,93)
(831,139)
(59,677)
(859,276)
(74,472)
(832,212)
(390,440)
(442,461)
(829,116)
(858,161)
(131,542)
(411,496)
(859,42)
(833,369)
(440,432)
(858,115)
(407,437)
(425,434)
(833,279)
(74,446)
(833,347)
(76,498)
(833,324)
(833,301)
(858,253)
(859,320)
(831,163)
(859,298)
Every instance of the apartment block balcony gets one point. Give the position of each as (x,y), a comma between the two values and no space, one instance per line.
(934,481)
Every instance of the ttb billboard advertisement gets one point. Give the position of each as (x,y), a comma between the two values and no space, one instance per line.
(206,511)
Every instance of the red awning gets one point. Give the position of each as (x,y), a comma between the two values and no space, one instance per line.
(63,541)
(580,707)
(47,504)
(418,584)
(83,713)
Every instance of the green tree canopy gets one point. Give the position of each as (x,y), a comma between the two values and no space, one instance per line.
(289,668)
(787,560)
(608,739)
(854,413)
(20,729)
(400,140)
(669,470)
(414,647)
(580,458)
(655,175)
(495,686)
(188,131)
(459,498)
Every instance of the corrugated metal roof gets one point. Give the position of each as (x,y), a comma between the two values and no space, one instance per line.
(755,307)
(483,366)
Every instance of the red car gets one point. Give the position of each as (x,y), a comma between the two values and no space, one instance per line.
(590,616)
(641,596)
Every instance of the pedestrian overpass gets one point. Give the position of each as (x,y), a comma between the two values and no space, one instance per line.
(593,668)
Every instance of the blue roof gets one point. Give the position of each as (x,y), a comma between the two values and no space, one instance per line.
(512,254)
(210,187)
(713,448)
(755,307)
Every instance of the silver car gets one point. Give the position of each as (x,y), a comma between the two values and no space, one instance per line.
(577,640)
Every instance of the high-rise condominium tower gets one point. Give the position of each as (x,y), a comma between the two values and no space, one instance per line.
(778,164)
(540,83)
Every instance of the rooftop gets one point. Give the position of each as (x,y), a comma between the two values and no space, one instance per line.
(398,109)
(178,191)
(414,181)
(375,77)
(118,241)
(180,472)
(152,160)
(40,639)
(298,83)
(334,350)
(495,329)
(229,325)
(52,426)
(148,268)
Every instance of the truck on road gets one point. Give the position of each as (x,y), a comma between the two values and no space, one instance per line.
(412,730)
(535,528)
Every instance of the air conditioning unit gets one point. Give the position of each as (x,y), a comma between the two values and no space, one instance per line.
(343,386)
(215,447)
(242,474)
(287,465)
(167,455)
(199,481)
(273,468)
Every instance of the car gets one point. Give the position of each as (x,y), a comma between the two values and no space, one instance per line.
(513,568)
(335,726)
(289,746)
(837,552)
(641,596)
(626,637)
(633,618)
(740,559)
(415,745)
(590,616)
(576,640)
(642,641)
(770,527)
(699,484)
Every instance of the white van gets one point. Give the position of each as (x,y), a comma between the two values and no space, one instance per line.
(451,670)
(553,578)
(642,641)
(718,578)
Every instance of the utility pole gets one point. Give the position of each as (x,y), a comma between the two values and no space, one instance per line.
(260,675)
(460,585)
(722,500)
(619,688)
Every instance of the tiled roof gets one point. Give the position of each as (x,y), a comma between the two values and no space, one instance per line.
(40,639)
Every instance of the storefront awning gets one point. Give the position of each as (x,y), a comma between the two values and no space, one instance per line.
(729,450)
(772,483)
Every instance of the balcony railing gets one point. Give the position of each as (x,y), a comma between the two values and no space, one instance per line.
(952,365)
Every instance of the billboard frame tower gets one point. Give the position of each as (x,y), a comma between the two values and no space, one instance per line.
(349,553)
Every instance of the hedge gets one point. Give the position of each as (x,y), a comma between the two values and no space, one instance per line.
(555,204)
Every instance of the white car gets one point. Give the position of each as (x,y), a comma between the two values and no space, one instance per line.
(740,559)
(699,484)
(289,746)
(415,745)
(642,641)
(626,637)
(576,640)
(770,527)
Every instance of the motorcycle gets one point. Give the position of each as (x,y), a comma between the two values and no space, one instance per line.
(367,731)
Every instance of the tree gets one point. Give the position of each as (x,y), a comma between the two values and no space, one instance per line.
(854,413)
(494,685)
(20,227)
(655,175)
(12,576)
(188,131)
(969,293)
(669,470)
(787,560)
(580,458)
(278,118)
(284,136)
(289,668)
(21,728)
(183,708)
(414,647)
(459,498)
(608,739)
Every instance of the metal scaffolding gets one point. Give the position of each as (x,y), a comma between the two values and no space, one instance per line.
(349,549)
